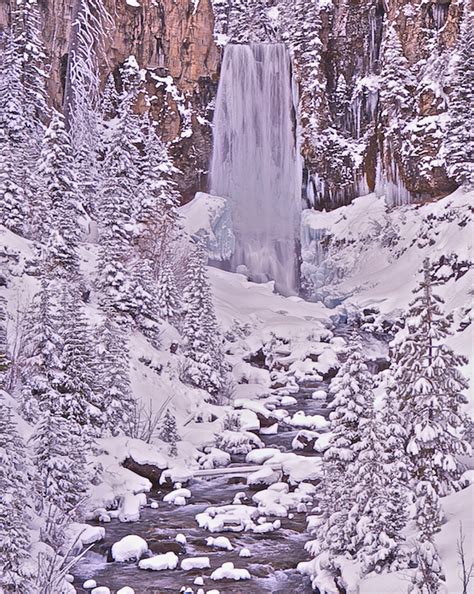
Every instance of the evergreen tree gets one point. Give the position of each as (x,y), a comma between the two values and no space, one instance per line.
(169,433)
(15,513)
(42,369)
(78,402)
(201,335)
(113,381)
(30,49)
(429,389)
(109,99)
(62,478)
(57,203)
(168,298)
(352,387)
(459,137)
(15,163)
(379,512)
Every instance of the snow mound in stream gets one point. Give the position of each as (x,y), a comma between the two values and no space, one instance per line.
(128,548)
(160,562)
(228,572)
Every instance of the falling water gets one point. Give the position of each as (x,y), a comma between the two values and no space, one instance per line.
(255,161)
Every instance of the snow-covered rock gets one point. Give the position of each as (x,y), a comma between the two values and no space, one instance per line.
(228,572)
(126,590)
(221,542)
(160,562)
(195,563)
(263,476)
(245,552)
(319,395)
(128,548)
(101,590)
(89,584)
(181,539)
(177,497)
(300,419)
(129,509)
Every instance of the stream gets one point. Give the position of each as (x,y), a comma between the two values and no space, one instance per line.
(275,555)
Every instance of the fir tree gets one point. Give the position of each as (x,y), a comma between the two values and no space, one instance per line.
(168,298)
(57,203)
(379,514)
(459,139)
(169,433)
(109,99)
(352,387)
(78,402)
(429,388)
(15,513)
(202,346)
(113,381)
(42,369)
(15,162)
(62,478)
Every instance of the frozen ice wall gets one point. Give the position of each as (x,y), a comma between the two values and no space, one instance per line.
(255,161)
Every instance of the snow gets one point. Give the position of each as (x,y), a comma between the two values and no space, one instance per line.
(177,497)
(89,584)
(126,590)
(85,535)
(133,3)
(128,548)
(245,552)
(300,419)
(263,476)
(208,219)
(160,562)
(129,509)
(319,395)
(228,572)
(181,539)
(261,456)
(288,401)
(101,590)
(195,563)
(221,542)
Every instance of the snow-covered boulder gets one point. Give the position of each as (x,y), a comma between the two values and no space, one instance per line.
(299,419)
(89,584)
(220,542)
(129,548)
(177,497)
(245,552)
(129,509)
(238,442)
(228,572)
(101,590)
(126,590)
(195,563)
(160,562)
(263,476)
(176,474)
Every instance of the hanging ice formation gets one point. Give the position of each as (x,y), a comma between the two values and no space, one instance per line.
(255,161)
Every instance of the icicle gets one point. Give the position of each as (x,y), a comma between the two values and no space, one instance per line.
(255,161)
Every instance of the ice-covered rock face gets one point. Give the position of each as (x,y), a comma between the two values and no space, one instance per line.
(255,161)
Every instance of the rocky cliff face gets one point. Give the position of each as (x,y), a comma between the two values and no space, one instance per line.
(349,56)
(173,40)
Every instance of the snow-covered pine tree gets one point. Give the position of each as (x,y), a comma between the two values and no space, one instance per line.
(79,403)
(169,433)
(26,25)
(168,297)
(144,306)
(57,204)
(158,209)
(15,512)
(201,334)
(42,369)
(118,201)
(352,388)
(428,577)
(14,154)
(379,512)
(459,139)
(248,21)
(429,388)
(62,480)
(113,378)
(109,99)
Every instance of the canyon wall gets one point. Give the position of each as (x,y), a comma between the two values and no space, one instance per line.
(349,56)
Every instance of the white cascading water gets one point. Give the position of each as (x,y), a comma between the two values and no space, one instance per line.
(255,161)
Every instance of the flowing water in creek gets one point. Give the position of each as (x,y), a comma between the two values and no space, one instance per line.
(275,555)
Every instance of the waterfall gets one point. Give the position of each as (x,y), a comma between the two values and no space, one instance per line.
(255,161)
